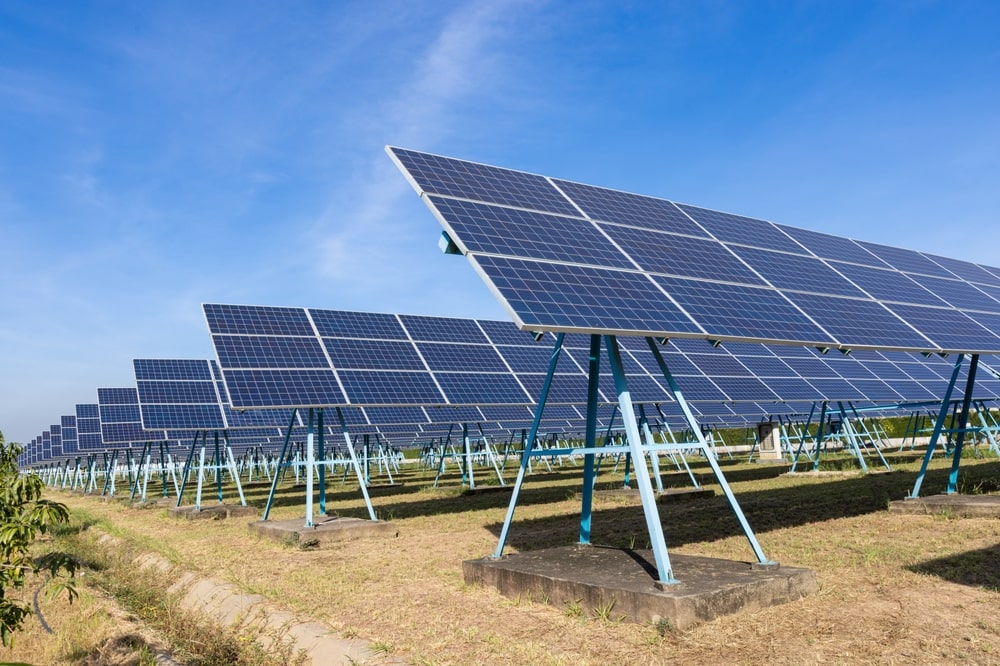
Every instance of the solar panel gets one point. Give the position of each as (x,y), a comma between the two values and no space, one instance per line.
(69,436)
(88,427)
(451,371)
(370,359)
(564,256)
(121,421)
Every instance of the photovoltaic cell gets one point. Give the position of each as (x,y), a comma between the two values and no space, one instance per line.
(513,232)
(350,353)
(443,329)
(865,322)
(797,273)
(389,387)
(630,209)
(530,267)
(888,284)
(767,366)
(458,357)
(739,229)
(342,324)
(948,328)
(739,311)
(251,389)
(470,388)
(121,422)
(960,294)
(906,260)
(580,297)
(671,254)
(195,416)
(250,351)
(442,175)
(833,247)
(965,270)
(257,320)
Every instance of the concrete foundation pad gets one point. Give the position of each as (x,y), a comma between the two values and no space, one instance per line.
(482,490)
(598,578)
(839,473)
(212,512)
(382,486)
(964,506)
(325,529)
(668,495)
(154,502)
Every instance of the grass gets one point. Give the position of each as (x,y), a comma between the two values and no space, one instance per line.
(894,589)
(111,576)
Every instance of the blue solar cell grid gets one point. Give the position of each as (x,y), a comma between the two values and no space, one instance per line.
(513,232)
(434,174)
(582,268)
(121,421)
(671,254)
(367,325)
(630,209)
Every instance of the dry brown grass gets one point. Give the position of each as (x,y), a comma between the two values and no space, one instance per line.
(894,589)
(93,631)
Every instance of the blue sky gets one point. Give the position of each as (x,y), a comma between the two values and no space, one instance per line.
(154,156)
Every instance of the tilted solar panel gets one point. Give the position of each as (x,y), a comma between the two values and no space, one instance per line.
(121,421)
(565,256)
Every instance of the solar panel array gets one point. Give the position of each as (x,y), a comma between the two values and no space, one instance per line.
(185,395)
(69,437)
(564,256)
(296,357)
(88,427)
(121,422)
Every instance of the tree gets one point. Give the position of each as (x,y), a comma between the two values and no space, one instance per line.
(23,516)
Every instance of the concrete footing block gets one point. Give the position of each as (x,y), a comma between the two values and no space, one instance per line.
(621,583)
(327,529)
(962,506)
(212,512)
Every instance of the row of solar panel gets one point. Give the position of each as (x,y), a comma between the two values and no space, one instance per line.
(574,257)
(133,419)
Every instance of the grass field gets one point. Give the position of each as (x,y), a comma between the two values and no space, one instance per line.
(893,589)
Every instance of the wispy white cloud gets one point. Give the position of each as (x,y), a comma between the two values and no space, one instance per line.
(465,60)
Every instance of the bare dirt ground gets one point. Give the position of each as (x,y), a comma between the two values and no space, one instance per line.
(893,589)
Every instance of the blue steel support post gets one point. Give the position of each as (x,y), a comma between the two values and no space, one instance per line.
(355,465)
(322,464)
(366,459)
(938,425)
(820,434)
(665,574)
(607,438)
(163,469)
(277,469)
(310,458)
(590,439)
(470,480)
(852,437)
(135,486)
(187,467)
(878,449)
(528,445)
(232,462)
(719,477)
(802,437)
(673,440)
(654,456)
(970,384)
(218,469)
